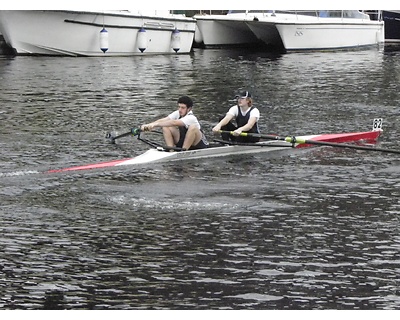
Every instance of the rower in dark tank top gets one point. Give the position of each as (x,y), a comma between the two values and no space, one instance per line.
(246,117)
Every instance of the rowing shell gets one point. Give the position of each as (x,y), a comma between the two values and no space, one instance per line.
(160,155)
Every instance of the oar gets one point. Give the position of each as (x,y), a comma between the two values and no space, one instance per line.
(159,146)
(133,131)
(248,144)
(294,140)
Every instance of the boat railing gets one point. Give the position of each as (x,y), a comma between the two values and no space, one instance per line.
(299,14)
(374,14)
(251,12)
(338,14)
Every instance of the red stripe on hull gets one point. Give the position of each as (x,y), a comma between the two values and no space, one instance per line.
(90,166)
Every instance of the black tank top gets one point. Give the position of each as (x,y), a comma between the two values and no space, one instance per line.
(241,121)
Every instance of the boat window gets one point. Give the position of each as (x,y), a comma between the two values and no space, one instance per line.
(236,11)
(323,14)
(312,13)
(353,14)
(260,11)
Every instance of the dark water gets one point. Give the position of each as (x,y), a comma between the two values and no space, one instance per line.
(311,229)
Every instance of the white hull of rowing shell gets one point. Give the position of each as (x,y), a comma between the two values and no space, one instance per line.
(77,33)
(154,155)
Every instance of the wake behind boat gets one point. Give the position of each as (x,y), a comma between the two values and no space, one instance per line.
(159,154)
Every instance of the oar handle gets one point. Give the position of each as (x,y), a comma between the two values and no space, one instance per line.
(133,131)
(257,135)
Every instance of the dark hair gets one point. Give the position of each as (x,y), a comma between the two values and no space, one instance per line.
(186,100)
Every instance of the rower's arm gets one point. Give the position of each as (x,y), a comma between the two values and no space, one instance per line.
(167,122)
(163,122)
(223,122)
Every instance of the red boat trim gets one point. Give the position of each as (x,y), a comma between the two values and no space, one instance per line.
(365,137)
(91,166)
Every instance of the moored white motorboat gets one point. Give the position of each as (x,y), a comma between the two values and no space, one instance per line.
(157,155)
(96,33)
(320,29)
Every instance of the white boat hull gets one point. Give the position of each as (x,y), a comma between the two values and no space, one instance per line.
(332,36)
(299,32)
(77,33)
(154,155)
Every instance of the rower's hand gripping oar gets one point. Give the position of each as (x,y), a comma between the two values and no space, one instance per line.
(294,140)
(133,131)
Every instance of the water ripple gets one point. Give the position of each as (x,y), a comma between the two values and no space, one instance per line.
(305,229)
